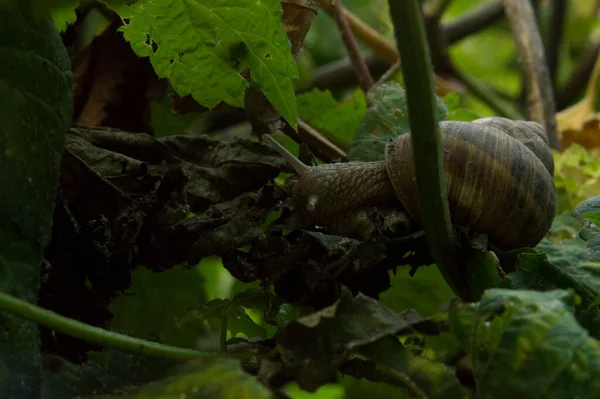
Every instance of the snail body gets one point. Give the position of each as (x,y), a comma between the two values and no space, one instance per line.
(498,174)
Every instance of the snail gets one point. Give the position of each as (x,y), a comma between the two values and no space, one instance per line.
(498,174)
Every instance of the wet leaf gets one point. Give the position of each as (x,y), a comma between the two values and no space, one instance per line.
(386,117)
(338,120)
(204,49)
(531,339)
(35,113)
(316,345)
(216,170)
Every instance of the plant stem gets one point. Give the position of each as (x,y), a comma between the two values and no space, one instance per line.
(409,29)
(362,71)
(223,335)
(93,334)
(540,99)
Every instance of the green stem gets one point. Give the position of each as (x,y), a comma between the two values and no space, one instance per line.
(92,334)
(223,337)
(426,141)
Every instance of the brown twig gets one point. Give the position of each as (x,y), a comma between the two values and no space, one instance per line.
(362,71)
(577,81)
(540,100)
(322,147)
(388,74)
(383,48)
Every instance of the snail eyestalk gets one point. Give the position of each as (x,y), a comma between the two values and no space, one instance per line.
(312,202)
(297,164)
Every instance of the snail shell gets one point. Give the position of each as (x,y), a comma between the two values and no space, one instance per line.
(498,175)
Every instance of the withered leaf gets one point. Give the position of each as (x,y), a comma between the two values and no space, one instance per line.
(297,19)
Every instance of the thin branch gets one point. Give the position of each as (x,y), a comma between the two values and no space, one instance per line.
(383,48)
(92,334)
(488,96)
(340,74)
(559,11)
(362,71)
(427,146)
(475,20)
(322,147)
(578,80)
(388,74)
(540,100)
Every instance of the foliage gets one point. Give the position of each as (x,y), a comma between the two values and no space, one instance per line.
(164,219)
(531,339)
(225,38)
(35,113)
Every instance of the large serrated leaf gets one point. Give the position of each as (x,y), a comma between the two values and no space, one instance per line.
(203,47)
(219,378)
(559,263)
(528,344)
(35,113)
(317,344)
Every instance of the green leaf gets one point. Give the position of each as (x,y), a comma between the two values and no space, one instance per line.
(315,346)
(165,123)
(338,120)
(35,113)
(386,117)
(558,264)
(589,210)
(456,112)
(234,311)
(576,176)
(220,378)
(203,47)
(528,344)
(103,372)
(65,16)
(155,302)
